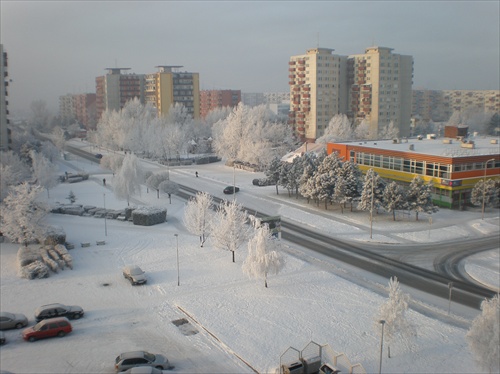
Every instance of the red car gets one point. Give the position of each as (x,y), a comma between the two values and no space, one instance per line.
(48,328)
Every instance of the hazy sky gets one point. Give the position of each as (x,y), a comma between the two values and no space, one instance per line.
(60,47)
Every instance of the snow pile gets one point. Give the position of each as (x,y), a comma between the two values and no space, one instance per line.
(37,262)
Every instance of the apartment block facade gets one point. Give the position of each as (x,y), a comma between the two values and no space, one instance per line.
(168,87)
(211,99)
(80,108)
(438,106)
(380,89)
(317,83)
(5,132)
(375,86)
(114,89)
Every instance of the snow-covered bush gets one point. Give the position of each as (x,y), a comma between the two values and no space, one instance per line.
(55,235)
(36,269)
(53,265)
(26,255)
(148,216)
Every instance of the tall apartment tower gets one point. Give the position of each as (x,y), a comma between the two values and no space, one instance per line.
(114,89)
(211,99)
(5,135)
(167,87)
(380,89)
(318,91)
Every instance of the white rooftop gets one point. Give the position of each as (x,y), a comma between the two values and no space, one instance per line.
(438,146)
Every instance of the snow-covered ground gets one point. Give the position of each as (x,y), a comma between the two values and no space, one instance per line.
(235,324)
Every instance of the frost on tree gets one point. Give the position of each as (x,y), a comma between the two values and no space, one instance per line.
(393,312)
(198,215)
(373,186)
(169,187)
(394,198)
(390,131)
(488,190)
(419,197)
(483,336)
(44,171)
(21,215)
(230,229)
(264,255)
(127,180)
(350,184)
(154,180)
(339,129)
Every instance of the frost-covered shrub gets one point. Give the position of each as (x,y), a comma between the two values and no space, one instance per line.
(26,255)
(128,213)
(53,265)
(148,216)
(55,235)
(36,269)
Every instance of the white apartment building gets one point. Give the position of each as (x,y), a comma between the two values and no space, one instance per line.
(380,89)
(317,83)
(374,86)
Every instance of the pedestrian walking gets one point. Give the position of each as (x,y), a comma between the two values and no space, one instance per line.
(196,173)
(104,181)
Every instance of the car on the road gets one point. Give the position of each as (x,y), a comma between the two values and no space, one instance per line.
(229,190)
(134,274)
(129,360)
(48,328)
(58,310)
(98,155)
(12,320)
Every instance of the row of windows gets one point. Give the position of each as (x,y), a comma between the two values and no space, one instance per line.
(416,167)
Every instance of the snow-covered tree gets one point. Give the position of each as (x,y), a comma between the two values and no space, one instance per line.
(394,198)
(59,138)
(294,174)
(169,187)
(373,186)
(154,181)
(198,215)
(393,312)
(112,161)
(230,229)
(273,172)
(362,130)
(339,129)
(21,214)
(13,171)
(264,255)
(487,189)
(352,185)
(307,186)
(128,179)
(283,179)
(326,177)
(44,171)
(483,336)
(419,197)
(456,119)
(390,131)
(71,197)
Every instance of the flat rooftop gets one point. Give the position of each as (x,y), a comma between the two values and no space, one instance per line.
(440,146)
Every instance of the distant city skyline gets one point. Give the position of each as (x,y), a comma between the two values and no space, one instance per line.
(55,48)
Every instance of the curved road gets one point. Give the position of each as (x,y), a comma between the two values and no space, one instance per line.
(384,260)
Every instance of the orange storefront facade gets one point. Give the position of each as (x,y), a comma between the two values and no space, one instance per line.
(452,177)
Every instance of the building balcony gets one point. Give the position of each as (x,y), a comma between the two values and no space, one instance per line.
(301,75)
(301,129)
(291,76)
(300,122)
(291,63)
(300,68)
(296,89)
(291,83)
(307,88)
(301,115)
(302,62)
(306,95)
(291,70)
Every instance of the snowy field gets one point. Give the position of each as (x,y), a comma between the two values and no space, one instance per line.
(235,324)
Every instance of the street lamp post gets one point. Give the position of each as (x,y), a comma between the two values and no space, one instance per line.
(105,214)
(178,278)
(382,322)
(484,184)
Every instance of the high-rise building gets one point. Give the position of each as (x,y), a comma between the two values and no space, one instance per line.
(85,110)
(211,99)
(317,83)
(168,87)
(114,89)
(380,89)
(374,86)
(5,138)
(67,108)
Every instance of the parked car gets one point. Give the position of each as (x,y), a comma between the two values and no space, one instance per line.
(143,370)
(134,274)
(58,310)
(129,360)
(12,320)
(98,155)
(2,338)
(48,328)
(229,190)
(262,182)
